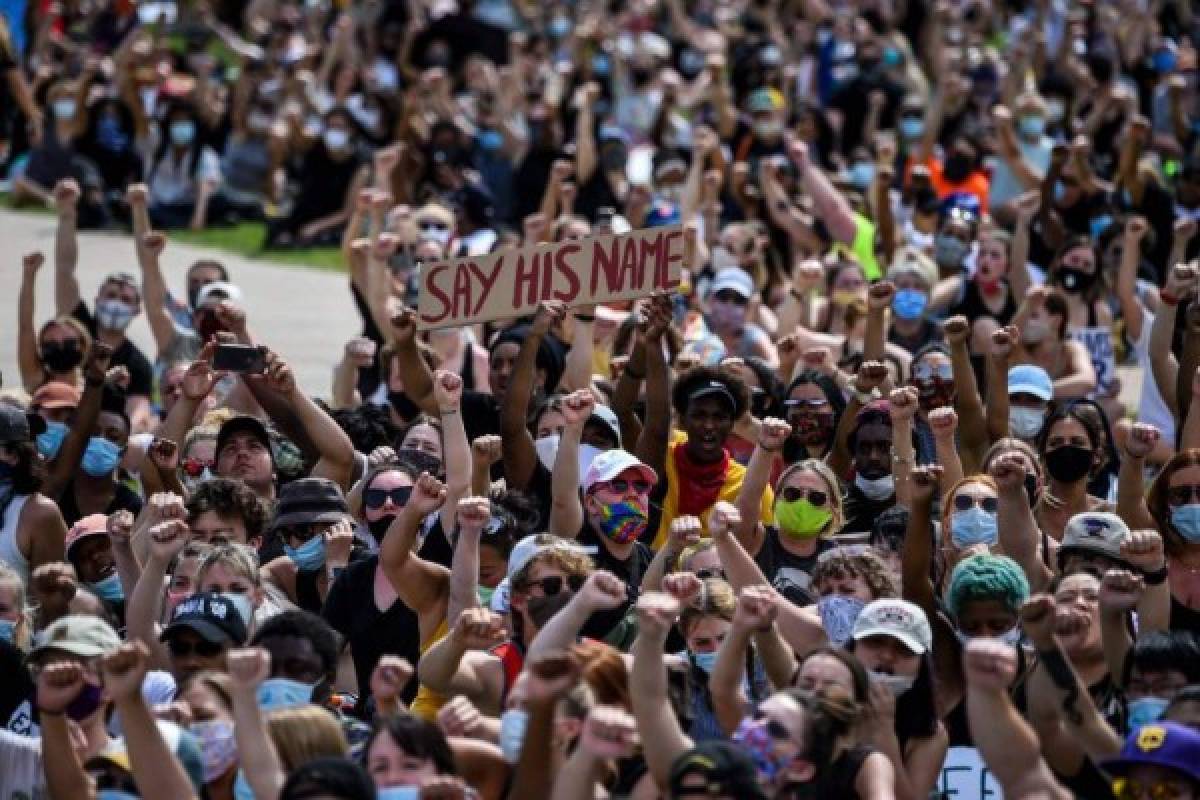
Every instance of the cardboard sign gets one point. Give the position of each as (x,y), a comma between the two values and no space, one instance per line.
(512,283)
(965,777)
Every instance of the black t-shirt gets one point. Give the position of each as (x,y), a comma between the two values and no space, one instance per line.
(788,573)
(141,373)
(324,183)
(351,611)
(435,547)
(861,511)
(630,570)
(125,499)
(928,332)
(481,414)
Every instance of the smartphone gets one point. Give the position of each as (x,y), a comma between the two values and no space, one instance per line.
(240,358)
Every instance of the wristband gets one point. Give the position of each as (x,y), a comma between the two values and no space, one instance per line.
(1168,298)
(1156,578)
(585,318)
(445,412)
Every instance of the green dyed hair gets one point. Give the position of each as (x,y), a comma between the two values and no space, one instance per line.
(987,577)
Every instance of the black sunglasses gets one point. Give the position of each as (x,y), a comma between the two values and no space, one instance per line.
(375,498)
(710,572)
(553,584)
(204,649)
(962,502)
(621,485)
(791,494)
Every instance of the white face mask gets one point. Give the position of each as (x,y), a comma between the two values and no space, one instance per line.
(1011,637)
(1025,423)
(512,733)
(336,139)
(547,450)
(877,489)
(896,684)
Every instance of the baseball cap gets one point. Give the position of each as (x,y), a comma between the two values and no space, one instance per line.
(898,619)
(310,500)
(1096,532)
(122,277)
(83,635)
(735,279)
(911,261)
(211,615)
(764,100)
(534,545)
(608,418)
(218,291)
(726,768)
(243,423)
(54,395)
(611,463)
(1161,744)
(1030,379)
(18,426)
(91,525)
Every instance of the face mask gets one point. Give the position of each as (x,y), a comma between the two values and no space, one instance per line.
(114,315)
(1035,330)
(191,483)
(752,734)
(547,450)
(896,684)
(559,27)
(100,458)
(973,526)
(50,441)
(1011,637)
(242,603)
(705,661)
(1069,463)
(1032,126)
(768,128)
(309,556)
(542,609)
(862,175)
(1075,280)
(283,693)
(490,141)
(1098,225)
(1055,109)
(241,788)
(1186,520)
(614,158)
(909,304)
(911,127)
(727,316)
(484,594)
(116,794)
(1146,709)
(109,589)
(623,522)
(934,393)
(800,519)
(512,733)
(397,793)
(1025,423)
(812,429)
(183,132)
(877,489)
(403,405)
(86,702)
(949,251)
(956,168)
(8,631)
(336,139)
(1163,61)
(64,108)
(217,746)
(838,613)
(379,527)
(258,122)
(61,357)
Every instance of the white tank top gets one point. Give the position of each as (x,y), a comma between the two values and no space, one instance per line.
(9,552)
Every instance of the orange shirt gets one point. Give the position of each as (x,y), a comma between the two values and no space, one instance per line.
(977,183)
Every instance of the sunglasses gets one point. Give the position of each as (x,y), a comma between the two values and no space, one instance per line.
(804,405)
(622,485)
(1182,495)
(1126,789)
(194,467)
(963,502)
(791,494)
(201,648)
(710,572)
(726,296)
(429,225)
(553,584)
(925,372)
(375,498)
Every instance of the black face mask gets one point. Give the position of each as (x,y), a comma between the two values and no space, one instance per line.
(61,356)
(1074,280)
(379,527)
(957,168)
(1069,463)
(403,405)
(542,609)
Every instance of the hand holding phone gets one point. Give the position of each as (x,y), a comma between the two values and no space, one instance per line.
(243,358)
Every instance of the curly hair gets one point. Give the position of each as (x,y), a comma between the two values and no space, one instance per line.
(986,577)
(691,380)
(227,497)
(369,426)
(303,625)
(865,564)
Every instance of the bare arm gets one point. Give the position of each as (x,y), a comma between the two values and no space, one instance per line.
(154,289)
(27,348)
(456,451)
(1018,530)
(828,202)
(772,434)
(578,372)
(652,443)
(725,683)
(1131,477)
(663,740)
(421,585)
(566,513)
(66,248)
(972,425)
(1163,364)
(260,763)
(520,455)
(1131,308)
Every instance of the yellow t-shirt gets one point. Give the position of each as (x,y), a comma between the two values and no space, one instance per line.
(427,703)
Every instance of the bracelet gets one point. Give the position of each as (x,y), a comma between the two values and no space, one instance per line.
(585,318)
(1168,298)
(445,412)
(796,293)
(1156,578)
(899,459)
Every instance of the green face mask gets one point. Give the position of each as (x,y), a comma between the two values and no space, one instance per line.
(800,519)
(485,596)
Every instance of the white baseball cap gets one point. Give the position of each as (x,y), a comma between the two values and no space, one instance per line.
(611,463)
(735,279)
(900,619)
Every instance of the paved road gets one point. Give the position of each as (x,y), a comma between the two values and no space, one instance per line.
(305,314)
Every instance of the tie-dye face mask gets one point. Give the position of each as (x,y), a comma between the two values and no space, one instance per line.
(623,521)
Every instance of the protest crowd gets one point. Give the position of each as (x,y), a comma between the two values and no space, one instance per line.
(738,410)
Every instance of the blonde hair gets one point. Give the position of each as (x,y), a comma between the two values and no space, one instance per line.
(305,733)
(716,599)
(200,433)
(833,489)
(23,632)
(691,552)
(239,558)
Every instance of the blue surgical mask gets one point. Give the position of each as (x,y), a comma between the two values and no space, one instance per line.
(862,174)
(283,693)
(109,589)
(241,788)
(183,132)
(1098,225)
(973,526)
(397,793)
(911,128)
(1033,126)
(101,457)
(838,613)
(64,108)
(8,631)
(1163,61)
(309,556)
(490,140)
(910,303)
(1145,709)
(1060,191)
(50,441)
(705,661)
(116,794)
(512,733)
(1186,520)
